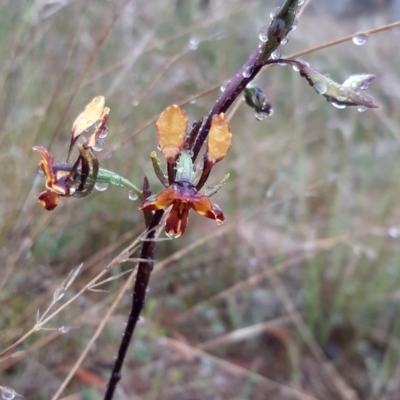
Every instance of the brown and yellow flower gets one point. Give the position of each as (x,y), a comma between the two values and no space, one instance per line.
(182,194)
(74,179)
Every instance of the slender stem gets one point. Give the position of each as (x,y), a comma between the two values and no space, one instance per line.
(139,296)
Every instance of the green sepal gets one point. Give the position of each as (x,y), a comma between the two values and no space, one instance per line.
(211,190)
(158,169)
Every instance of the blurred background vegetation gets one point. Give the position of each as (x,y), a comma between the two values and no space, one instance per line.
(296,296)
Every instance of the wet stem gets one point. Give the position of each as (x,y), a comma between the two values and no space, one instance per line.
(237,84)
(226,99)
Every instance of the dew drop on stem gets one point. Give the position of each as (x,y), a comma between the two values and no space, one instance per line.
(338,105)
(360,39)
(173,235)
(101,186)
(247,70)
(7,393)
(276,54)
(64,329)
(362,108)
(260,115)
(99,146)
(224,85)
(263,33)
(132,196)
(273,12)
(104,133)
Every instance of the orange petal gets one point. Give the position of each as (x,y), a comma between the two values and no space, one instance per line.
(177,219)
(203,206)
(102,125)
(171,126)
(219,139)
(160,201)
(92,113)
(48,199)
(46,164)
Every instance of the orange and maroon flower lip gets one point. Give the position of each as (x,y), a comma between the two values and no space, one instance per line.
(182,196)
(56,180)
(61,178)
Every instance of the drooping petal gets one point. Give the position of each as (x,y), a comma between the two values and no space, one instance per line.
(46,165)
(203,206)
(177,219)
(48,199)
(160,201)
(92,113)
(100,128)
(171,128)
(219,139)
(88,117)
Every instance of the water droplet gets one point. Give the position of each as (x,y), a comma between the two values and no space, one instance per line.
(294,24)
(327,75)
(115,180)
(40,172)
(99,146)
(362,108)
(104,132)
(173,235)
(359,39)
(284,41)
(320,87)
(300,2)
(101,186)
(260,115)
(224,85)
(132,195)
(394,232)
(247,70)
(273,12)
(369,98)
(338,105)
(276,54)
(7,393)
(64,329)
(220,222)
(194,42)
(342,93)
(295,67)
(263,33)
